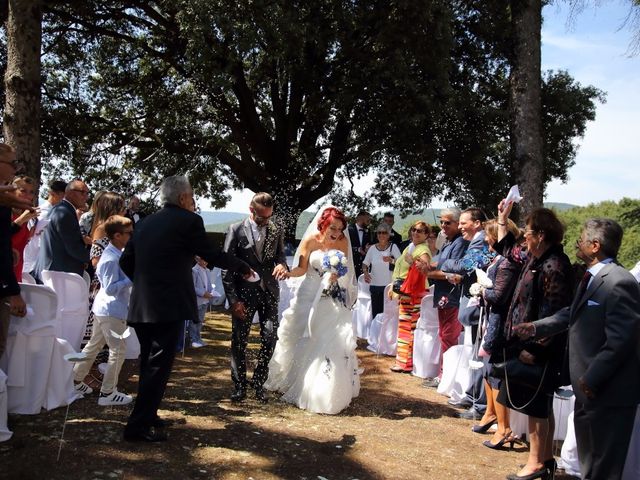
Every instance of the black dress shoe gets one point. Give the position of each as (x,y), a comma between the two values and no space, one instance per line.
(261,395)
(163,422)
(153,434)
(238,395)
(462,403)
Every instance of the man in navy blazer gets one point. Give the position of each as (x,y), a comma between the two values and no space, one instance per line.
(360,239)
(604,351)
(158,259)
(62,247)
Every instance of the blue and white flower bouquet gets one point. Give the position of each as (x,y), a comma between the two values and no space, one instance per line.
(334,261)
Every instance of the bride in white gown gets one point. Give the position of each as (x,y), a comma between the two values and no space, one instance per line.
(314,364)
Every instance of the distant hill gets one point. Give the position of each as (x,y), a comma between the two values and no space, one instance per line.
(220,221)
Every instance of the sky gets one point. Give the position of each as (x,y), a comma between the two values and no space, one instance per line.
(594,47)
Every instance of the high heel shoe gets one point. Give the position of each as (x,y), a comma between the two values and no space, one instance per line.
(482,428)
(543,474)
(509,438)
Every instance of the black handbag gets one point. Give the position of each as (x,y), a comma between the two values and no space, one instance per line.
(396,286)
(517,372)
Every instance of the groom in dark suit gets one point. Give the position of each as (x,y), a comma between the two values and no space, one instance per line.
(360,239)
(604,351)
(158,259)
(257,241)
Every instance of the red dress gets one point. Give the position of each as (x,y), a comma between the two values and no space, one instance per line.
(19,240)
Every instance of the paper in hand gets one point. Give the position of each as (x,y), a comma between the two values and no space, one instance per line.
(513,195)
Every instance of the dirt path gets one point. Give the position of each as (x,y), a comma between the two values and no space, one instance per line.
(395,429)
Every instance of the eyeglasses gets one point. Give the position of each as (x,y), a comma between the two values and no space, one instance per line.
(418,230)
(383,233)
(445,222)
(579,242)
(84,192)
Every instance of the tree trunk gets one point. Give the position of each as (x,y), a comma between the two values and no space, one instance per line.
(22,83)
(525,103)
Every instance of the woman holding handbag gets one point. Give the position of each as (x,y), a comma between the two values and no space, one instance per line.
(545,285)
(410,284)
(503,273)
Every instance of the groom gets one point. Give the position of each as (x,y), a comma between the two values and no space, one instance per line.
(258,242)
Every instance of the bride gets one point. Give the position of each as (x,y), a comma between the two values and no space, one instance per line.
(314,364)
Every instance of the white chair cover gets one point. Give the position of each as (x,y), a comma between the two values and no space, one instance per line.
(426,344)
(132,344)
(5,433)
(456,373)
(27,278)
(362,309)
(569,452)
(562,407)
(38,376)
(383,332)
(73,302)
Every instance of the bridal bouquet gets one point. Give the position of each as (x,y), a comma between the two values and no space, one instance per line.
(334,261)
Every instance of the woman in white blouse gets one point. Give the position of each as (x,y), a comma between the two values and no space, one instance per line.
(377,266)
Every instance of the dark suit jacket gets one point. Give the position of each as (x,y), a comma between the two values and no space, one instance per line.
(8,284)
(158,259)
(396,238)
(604,338)
(239,243)
(62,248)
(356,245)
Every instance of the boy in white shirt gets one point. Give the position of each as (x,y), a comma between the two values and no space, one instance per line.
(110,309)
(204,293)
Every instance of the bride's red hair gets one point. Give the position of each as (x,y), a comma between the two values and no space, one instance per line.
(329,215)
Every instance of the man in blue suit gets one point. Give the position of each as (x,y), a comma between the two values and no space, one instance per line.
(62,247)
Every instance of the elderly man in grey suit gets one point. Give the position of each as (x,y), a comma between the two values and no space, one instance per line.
(604,351)
(62,248)
(257,241)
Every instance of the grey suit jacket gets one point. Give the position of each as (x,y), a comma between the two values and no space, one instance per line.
(62,248)
(604,338)
(239,243)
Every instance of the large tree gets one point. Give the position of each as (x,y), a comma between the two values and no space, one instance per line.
(21,114)
(268,95)
(288,96)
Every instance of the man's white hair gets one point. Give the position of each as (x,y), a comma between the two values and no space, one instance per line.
(172,188)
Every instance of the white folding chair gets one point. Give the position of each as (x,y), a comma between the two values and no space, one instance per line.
(38,376)
(426,343)
(361,315)
(73,303)
(383,332)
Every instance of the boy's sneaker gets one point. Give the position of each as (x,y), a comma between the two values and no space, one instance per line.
(83,388)
(198,344)
(114,398)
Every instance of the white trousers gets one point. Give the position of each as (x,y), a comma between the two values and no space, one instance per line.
(100,335)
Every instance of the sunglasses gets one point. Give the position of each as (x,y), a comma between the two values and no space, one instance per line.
(418,230)
(382,233)
(445,222)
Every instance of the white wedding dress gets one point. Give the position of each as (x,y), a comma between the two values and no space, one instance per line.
(314,364)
